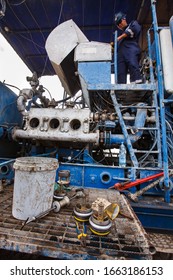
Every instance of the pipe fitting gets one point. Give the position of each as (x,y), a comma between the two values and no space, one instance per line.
(24,95)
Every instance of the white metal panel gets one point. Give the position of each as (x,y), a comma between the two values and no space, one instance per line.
(93,51)
(59,44)
(167,58)
(62,40)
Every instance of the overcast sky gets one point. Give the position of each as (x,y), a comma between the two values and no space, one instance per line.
(13,71)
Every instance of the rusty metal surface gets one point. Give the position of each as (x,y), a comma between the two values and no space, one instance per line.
(55,235)
(163,242)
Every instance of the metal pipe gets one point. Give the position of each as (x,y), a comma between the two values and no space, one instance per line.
(161,97)
(134,196)
(60,136)
(140,10)
(24,95)
(21,104)
(6,162)
(139,123)
(155,102)
(124,130)
(115,57)
(140,117)
(150,57)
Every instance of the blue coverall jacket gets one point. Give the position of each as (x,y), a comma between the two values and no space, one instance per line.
(129,54)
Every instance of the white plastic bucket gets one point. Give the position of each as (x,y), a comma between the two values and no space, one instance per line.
(33,186)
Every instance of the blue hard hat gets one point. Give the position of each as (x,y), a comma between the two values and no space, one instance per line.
(118,17)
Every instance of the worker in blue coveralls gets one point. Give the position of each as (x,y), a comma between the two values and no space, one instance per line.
(128,55)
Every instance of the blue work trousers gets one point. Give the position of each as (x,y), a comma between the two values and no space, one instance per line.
(128,62)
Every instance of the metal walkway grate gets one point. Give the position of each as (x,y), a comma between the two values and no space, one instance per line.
(163,242)
(55,235)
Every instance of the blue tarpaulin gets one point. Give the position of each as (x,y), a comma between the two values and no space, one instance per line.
(26,24)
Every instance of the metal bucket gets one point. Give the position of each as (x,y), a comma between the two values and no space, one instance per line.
(33,186)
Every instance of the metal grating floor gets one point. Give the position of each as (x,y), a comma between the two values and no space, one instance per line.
(55,235)
(162,242)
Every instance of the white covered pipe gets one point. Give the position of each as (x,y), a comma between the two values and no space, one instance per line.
(167,58)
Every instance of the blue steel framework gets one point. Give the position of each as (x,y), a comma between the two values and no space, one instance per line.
(96,175)
(161,101)
(152,216)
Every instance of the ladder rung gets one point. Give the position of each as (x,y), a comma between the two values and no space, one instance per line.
(167,100)
(143,128)
(137,107)
(144,152)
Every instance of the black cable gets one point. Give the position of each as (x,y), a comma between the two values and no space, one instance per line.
(62,100)
(48,92)
(11,86)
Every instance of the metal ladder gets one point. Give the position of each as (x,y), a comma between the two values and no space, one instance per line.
(140,89)
(157,93)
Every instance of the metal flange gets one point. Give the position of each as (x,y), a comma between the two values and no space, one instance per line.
(100,227)
(82,212)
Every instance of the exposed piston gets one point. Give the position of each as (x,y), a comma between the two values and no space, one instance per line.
(64,177)
(100,224)
(83,211)
(62,184)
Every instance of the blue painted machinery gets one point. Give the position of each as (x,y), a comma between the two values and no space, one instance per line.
(107,135)
(9,118)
